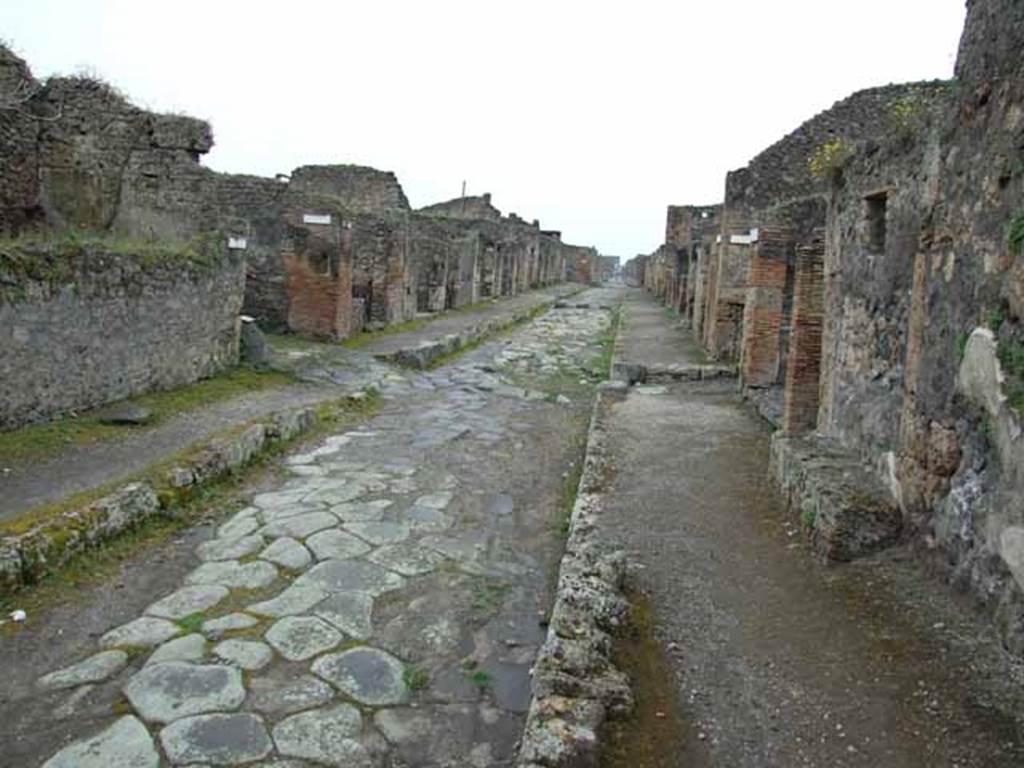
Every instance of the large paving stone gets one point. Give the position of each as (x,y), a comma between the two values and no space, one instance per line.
(216,628)
(229,549)
(326,736)
(188,600)
(296,599)
(241,524)
(98,667)
(380,533)
(368,675)
(351,576)
(333,543)
(407,559)
(246,654)
(300,526)
(283,697)
(165,692)
(233,574)
(279,498)
(144,631)
(438,735)
(188,648)
(125,744)
(351,612)
(298,638)
(216,739)
(288,553)
(367,511)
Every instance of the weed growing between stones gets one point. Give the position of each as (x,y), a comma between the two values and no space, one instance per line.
(488,596)
(1015,234)
(415,678)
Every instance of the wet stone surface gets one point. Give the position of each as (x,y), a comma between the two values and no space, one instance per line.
(401,566)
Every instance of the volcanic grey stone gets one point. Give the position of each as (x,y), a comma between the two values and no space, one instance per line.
(351,612)
(362,512)
(380,533)
(165,692)
(217,627)
(299,526)
(326,736)
(233,574)
(247,654)
(230,549)
(276,697)
(91,670)
(188,648)
(187,600)
(125,744)
(368,675)
(288,553)
(296,599)
(144,631)
(301,637)
(351,575)
(407,559)
(216,739)
(336,544)
(242,524)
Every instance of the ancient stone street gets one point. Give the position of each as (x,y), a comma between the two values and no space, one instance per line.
(384,601)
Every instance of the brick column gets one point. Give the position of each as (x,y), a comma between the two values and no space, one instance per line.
(760,351)
(803,370)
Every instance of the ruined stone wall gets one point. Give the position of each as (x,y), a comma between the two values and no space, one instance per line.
(380,267)
(355,187)
(81,326)
(579,263)
(471,208)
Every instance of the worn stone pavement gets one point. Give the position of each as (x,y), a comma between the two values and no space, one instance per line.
(28,484)
(777,660)
(381,606)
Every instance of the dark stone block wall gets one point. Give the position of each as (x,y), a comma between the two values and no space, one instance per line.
(81,326)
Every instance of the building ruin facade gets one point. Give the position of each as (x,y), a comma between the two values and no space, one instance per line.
(865,276)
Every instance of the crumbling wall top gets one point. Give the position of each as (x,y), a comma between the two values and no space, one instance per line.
(470,207)
(356,187)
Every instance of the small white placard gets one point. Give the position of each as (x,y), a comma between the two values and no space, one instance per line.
(748,239)
(718,239)
(237,243)
(316,218)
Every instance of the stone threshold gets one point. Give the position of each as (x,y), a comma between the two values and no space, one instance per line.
(845,509)
(48,545)
(642,373)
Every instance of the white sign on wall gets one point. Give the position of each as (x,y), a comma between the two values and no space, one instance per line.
(237,243)
(316,218)
(747,239)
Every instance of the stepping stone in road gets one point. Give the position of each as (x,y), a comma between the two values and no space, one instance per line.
(326,736)
(233,574)
(144,631)
(246,654)
(368,675)
(188,600)
(216,739)
(165,692)
(92,670)
(298,638)
(125,744)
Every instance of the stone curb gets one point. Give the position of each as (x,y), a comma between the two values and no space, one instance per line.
(640,373)
(26,557)
(576,687)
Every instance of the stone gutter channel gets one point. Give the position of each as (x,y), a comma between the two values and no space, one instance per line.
(576,686)
(51,543)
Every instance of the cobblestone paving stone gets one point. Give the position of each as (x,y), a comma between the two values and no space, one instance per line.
(380,607)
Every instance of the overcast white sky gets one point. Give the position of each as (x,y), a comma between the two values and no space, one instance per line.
(591,116)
